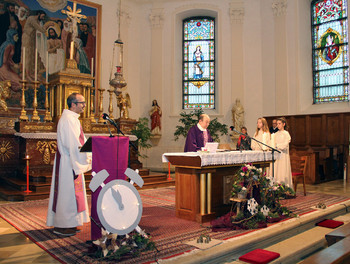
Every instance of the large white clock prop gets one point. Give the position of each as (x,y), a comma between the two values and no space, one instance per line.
(119,206)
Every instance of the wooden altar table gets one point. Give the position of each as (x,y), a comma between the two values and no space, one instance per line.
(204,180)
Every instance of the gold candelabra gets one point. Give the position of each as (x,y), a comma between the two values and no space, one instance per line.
(110,108)
(35,116)
(23,116)
(47,117)
(92,105)
(101,120)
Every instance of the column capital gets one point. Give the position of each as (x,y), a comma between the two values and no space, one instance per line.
(157,18)
(237,11)
(279,7)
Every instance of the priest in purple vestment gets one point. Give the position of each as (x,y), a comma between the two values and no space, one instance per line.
(198,135)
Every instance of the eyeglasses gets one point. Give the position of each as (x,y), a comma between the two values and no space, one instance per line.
(80,102)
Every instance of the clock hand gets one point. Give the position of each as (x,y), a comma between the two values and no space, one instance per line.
(118,198)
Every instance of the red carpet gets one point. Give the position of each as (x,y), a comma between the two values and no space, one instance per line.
(167,231)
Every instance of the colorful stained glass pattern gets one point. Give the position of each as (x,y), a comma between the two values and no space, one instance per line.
(199,63)
(330,51)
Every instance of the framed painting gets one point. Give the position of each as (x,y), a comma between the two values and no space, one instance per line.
(30,27)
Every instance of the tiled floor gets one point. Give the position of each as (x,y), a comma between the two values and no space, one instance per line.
(17,248)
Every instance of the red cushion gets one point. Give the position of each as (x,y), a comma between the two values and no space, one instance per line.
(259,256)
(330,223)
(296,173)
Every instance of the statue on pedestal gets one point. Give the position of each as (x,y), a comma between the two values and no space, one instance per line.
(238,115)
(156,114)
(124,103)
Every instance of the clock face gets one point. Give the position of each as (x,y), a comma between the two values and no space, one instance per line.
(119,207)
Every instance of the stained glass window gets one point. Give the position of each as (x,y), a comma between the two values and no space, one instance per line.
(199,63)
(330,50)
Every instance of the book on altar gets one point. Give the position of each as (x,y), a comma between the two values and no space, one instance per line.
(211,146)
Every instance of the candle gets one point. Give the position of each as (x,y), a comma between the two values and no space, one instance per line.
(71,50)
(23,64)
(47,66)
(92,67)
(273,143)
(36,65)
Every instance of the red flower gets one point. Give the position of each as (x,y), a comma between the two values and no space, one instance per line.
(244,169)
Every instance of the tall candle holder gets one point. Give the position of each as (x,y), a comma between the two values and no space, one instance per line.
(47,117)
(23,116)
(110,108)
(92,106)
(100,109)
(27,159)
(35,116)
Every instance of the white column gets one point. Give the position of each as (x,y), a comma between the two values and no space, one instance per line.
(279,8)
(157,18)
(237,62)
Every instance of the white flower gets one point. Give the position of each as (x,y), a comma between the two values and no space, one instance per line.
(244,188)
(242,174)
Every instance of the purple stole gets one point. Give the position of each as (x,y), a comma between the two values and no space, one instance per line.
(78,181)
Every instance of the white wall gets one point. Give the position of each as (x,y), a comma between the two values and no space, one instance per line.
(259,62)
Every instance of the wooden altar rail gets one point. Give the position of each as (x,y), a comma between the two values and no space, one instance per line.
(323,137)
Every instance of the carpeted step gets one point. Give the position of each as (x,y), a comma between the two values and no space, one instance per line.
(159,184)
(143,172)
(154,177)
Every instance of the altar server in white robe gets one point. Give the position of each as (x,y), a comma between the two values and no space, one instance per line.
(283,171)
(68,208)
(262,134)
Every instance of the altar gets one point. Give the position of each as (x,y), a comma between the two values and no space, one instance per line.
(203,180)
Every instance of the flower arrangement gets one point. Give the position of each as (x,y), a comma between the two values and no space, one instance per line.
(263,197)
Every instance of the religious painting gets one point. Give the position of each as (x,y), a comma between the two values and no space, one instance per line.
(330,50)
(199,63)
(36,38)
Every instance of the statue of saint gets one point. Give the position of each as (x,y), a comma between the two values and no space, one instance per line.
(238,115)
(156,114)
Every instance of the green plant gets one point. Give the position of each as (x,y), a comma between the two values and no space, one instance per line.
(190,119)
(143,134)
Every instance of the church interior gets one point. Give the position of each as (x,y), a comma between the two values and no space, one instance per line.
(270,59)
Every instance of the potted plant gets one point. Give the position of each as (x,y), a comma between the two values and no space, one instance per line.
(188,120)
(143,134)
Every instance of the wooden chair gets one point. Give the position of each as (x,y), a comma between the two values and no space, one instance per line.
(298,165)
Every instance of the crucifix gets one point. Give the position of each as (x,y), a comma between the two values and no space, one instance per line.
(74,15)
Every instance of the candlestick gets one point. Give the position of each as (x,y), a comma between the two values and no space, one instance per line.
(23,116)
(36,65)
(35,116)
(27,158)
(23,64)
(71,50)
(100,109)
(47,117)
(47,66)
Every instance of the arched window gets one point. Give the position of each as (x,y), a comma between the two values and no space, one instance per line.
(330,50)
(198,63)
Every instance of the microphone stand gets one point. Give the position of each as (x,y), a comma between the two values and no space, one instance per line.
(121,132)
(272,149)
(110,132)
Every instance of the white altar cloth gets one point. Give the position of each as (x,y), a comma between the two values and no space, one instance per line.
(226,158)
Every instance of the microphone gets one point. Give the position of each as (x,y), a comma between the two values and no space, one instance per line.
(232,128)
(106,117)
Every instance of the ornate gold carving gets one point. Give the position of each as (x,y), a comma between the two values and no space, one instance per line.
(38,128)
(4,93)
(47,148)
(6,150)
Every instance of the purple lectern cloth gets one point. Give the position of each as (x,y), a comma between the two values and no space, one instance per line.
(112,155)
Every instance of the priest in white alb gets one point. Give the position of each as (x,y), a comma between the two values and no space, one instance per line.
(68,208)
